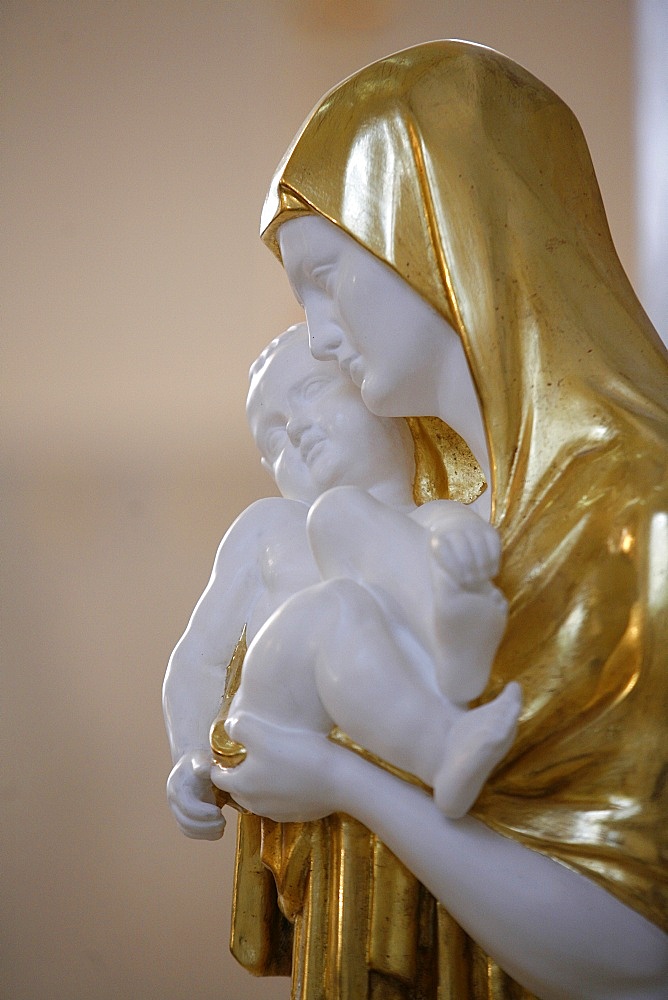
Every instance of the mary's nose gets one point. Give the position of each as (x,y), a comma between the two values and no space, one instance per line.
(324,340)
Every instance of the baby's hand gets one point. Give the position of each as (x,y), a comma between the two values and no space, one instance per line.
(468,552)
(191,797)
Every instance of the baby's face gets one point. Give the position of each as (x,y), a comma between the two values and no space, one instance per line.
(312,428)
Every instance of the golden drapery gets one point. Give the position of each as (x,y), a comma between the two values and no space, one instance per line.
(473,181)
(329,904)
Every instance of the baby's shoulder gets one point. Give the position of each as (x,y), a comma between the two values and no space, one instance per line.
(272,535)
(265,517)
(259,526)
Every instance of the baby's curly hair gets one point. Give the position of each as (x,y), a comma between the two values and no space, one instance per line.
(297,332)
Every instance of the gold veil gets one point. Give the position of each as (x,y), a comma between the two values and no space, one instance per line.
(472,180)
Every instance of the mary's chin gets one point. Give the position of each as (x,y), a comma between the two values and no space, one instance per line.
(383,400)
(372,400)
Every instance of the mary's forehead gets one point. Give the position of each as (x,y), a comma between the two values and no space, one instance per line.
(311,238)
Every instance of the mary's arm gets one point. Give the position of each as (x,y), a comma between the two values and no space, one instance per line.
(556,932)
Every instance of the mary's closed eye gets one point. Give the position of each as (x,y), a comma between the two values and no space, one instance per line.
(323,275)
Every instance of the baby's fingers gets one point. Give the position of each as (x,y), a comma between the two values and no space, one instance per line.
(203,822)
(192,804)
(468,559)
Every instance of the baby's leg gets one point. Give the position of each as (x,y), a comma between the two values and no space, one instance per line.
(475,744)
(377,683)
(278,677)
(328,657)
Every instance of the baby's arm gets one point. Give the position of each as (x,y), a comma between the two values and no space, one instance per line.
(469,612)
(195,677)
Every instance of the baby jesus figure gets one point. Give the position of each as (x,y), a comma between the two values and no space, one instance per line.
(353,606)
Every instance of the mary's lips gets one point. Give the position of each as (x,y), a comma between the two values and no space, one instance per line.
(352,367)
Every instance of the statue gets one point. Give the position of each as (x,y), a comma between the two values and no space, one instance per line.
(439,219)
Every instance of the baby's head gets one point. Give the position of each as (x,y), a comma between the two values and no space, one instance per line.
(313,430)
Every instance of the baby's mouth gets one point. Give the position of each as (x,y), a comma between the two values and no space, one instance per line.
(310,446)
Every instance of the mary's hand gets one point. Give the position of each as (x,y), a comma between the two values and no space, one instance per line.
(191,797)
(289,775)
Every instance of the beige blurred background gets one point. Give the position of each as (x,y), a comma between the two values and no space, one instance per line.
(140,137)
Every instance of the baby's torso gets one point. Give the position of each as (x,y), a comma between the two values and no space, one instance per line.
(284,561)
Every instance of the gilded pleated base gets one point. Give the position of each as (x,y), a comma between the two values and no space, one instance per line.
(328,904)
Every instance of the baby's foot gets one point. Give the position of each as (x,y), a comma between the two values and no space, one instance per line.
(475,744)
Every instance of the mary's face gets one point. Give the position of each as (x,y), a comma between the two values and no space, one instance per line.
(363,315)
(314,431)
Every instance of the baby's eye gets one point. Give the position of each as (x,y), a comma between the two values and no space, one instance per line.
(313,387)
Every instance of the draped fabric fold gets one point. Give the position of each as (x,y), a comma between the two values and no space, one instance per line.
(330,905)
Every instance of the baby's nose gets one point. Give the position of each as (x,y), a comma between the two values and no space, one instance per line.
(295,427)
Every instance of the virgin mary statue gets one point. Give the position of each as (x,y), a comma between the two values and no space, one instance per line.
(472,181)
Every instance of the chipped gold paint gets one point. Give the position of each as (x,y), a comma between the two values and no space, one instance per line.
(226,751)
